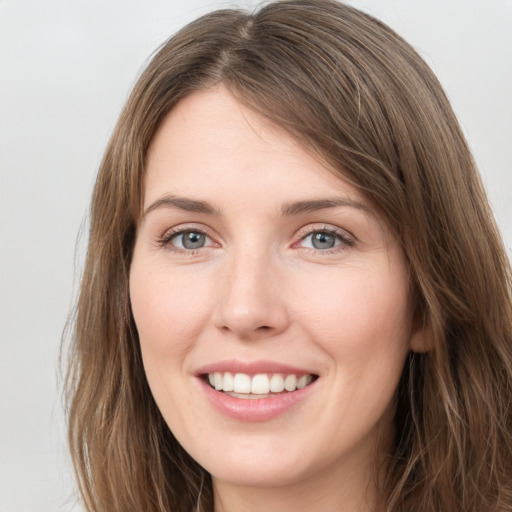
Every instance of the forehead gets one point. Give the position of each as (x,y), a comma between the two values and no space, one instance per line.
(210,144)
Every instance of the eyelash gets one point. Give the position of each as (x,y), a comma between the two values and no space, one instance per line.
(346,240)
(166,240)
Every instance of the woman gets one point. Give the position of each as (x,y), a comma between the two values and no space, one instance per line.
(295,296)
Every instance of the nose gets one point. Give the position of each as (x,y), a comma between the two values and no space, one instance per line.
(252,303)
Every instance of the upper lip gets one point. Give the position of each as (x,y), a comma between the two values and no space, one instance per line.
(251,367)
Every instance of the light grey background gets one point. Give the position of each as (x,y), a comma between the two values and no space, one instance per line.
(66,67)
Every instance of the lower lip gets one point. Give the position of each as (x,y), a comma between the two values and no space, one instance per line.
(254,410)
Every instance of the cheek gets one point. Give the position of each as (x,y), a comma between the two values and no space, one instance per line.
(169,316)
(362,323)
(169,313)
(359,318)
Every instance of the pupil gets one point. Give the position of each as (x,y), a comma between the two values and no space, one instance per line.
(193,240)
(323,241)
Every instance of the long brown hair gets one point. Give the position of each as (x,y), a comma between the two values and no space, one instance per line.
(360,99)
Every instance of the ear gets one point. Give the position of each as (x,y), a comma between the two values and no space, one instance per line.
(421,339)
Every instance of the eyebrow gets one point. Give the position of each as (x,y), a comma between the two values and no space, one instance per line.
(299,207)
(288,209)
(183,203)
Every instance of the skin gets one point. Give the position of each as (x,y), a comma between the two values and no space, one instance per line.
(260,290)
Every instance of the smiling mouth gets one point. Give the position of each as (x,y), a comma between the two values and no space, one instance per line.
(258,386)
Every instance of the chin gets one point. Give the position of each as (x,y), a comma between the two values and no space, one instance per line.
(246,473)
(255,464)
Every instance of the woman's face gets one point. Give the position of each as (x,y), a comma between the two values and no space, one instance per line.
(256,268)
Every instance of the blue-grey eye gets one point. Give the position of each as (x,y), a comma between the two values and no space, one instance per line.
(190,240)
(321,240)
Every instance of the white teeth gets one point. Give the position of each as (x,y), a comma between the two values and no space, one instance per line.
(303,381)
(277,383)
(259,384)
(217,380)
(242,383)
(290,383)
(228,383)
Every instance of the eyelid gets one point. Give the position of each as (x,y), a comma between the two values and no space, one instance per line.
(165,239)
(323,227)
(347,239)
